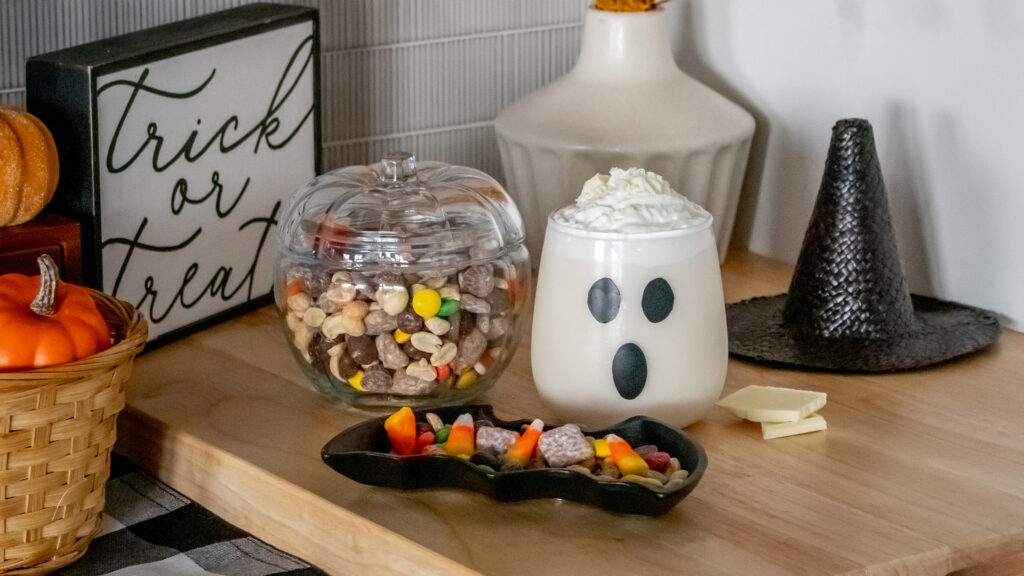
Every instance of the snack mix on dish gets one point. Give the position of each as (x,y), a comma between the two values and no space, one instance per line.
(493,449)
(412,334)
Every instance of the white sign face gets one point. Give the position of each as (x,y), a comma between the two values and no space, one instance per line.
(197,153)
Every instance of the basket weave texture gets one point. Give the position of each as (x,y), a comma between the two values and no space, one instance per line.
(57,428)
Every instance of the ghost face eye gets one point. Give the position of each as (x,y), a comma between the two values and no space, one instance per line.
(603,300)
(658,300)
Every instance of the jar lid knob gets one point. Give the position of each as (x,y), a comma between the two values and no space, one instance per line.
(398,166)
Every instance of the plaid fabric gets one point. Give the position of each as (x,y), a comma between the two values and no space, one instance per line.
(150,530)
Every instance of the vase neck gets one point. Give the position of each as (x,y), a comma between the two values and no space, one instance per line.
(619,45)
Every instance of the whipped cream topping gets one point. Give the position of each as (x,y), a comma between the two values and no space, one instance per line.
(630,201)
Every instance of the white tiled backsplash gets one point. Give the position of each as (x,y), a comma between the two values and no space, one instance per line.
(427,76)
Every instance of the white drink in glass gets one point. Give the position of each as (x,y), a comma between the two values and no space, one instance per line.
(576,353)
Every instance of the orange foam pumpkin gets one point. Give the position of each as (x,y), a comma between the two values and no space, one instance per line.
(46,322)
(29,168)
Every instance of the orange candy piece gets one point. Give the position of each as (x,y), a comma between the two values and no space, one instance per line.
(522,450)
(627,461)
(401,429)
(462,437)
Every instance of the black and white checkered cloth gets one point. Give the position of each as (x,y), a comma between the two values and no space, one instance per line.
(150,530)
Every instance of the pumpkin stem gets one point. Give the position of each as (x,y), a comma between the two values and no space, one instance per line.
(48,278)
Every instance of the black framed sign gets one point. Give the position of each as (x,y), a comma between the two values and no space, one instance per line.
(178,146)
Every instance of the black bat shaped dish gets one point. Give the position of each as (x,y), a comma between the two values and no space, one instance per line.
(362,453)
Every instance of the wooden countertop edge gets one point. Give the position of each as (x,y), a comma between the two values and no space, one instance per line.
(204,473)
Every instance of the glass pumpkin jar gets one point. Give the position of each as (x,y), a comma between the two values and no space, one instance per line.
(402,283)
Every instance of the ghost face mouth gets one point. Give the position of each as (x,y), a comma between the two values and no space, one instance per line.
(629,365)
(629,370)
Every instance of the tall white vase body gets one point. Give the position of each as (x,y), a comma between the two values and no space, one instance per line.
(624,104)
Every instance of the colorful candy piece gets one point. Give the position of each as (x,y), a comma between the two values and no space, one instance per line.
(441,435)
(401,429)
(625,458)
(356,381)
(521,452)
(601,448)
(467,378)
(426,303)
(449,306)
(401,337)
(423,440)
(658,461)
(443,371)
(462,437)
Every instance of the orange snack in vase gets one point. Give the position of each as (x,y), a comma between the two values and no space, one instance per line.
(462,437)
(294,287)
(513,292)
(401,429)
(443,371)
(627,5)
(330,236)
(627,461)
(521,452)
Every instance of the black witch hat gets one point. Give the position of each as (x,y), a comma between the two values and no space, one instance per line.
(848,306)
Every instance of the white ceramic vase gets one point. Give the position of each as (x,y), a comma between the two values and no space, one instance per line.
(624,104)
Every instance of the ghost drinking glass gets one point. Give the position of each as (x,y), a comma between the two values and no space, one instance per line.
(629,323)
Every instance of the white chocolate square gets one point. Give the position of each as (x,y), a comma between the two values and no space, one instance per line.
(812,423)
(771,404)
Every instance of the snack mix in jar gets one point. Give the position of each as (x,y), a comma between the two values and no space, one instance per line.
(402,283)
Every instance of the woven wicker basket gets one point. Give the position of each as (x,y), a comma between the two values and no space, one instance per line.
(57,428)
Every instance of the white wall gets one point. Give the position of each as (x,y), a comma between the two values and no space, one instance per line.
(942,81)
(427,76)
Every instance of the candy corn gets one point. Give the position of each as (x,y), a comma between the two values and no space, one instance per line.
(625,458)
(401,429)
(462,437)
(521,451)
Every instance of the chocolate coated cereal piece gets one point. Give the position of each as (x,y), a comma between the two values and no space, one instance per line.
(470,349)
(316,284)
(379,322)
(478,280)
(493,440)
(365,287)
(388,280)
(499,327)
(471,303)
(409,321)
(361,348)
(564,445)
(376,380)
(454,322)
(402,383)
(498,299)
(318,352)
(468,325)
(390,354)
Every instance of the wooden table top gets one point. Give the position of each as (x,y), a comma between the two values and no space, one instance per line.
(918,473)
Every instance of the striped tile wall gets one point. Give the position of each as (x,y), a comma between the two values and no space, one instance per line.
(426,76)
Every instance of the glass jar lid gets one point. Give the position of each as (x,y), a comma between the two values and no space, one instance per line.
(400,213)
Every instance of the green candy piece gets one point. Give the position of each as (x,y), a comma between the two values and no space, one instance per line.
(487,469)
(449,306)
(441,436)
